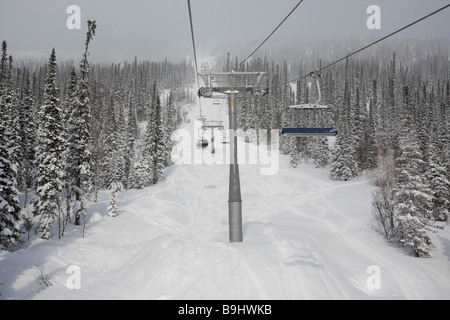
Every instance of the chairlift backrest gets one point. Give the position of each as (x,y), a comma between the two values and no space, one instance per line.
(308,132)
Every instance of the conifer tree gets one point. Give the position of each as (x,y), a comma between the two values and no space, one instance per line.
(70,120)
(82,152)
(28,139)
(112,160)
(344,164)
(159,144)
(130,136)
(153,152)
(11,114)
(169,124)
(412,200)
(49,154)
(320,152)
(115,187)
(438,182)
(9,204)
(293,152)
(369,138)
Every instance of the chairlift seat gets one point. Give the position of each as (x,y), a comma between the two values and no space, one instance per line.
(308,132)
(203,143)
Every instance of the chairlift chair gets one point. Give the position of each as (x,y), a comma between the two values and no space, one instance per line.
(202,143)
(310,132)
(316,105)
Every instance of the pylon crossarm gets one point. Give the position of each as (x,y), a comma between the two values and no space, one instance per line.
(214,80)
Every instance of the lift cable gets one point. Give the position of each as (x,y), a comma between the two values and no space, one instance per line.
(271,34)
(195,52)
(373,43)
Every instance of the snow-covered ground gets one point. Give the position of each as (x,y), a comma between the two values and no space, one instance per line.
(305,237)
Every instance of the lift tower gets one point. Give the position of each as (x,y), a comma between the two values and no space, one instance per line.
(232,84)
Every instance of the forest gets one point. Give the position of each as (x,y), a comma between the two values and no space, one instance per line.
(69,130)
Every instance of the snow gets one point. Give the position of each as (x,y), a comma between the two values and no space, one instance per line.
(305,237)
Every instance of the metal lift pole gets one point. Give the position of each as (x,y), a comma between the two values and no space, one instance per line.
(234,198)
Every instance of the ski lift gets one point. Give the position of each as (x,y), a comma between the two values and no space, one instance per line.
(310,132)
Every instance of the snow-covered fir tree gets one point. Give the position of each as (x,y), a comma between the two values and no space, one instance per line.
(9,204)
(153,150)
(49,155)
(80,149)
(11,115)
(130,136)
(112,171)
(28,139)
(344,165)
(114,188)
(70,131)
(293,152)
(438,182)
(412,197)
(320,152)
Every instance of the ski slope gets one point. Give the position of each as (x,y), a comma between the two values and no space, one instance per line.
(305,237)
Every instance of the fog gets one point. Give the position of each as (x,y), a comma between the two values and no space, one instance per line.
(162,26)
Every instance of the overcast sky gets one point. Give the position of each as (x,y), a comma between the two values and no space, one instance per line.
(132,25)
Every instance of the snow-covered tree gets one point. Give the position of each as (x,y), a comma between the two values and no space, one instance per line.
(11,117)
(320,151)
(113,159)
(343,165)
(49,154)
(81,143)
(438,182)
(70,132)
(412,197)
(153,150)
(368,144)
(130,135)
(293,153)
(9,204)
(344,159)
(28,139)
(115,187)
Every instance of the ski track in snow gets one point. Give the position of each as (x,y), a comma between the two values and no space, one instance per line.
(305,237)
